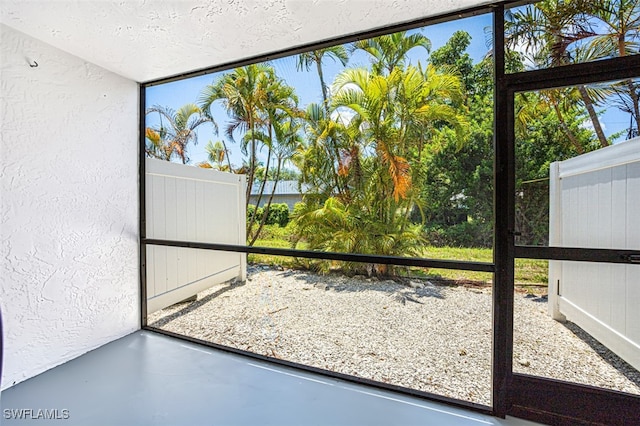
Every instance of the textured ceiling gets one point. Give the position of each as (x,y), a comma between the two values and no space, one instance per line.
(146,40)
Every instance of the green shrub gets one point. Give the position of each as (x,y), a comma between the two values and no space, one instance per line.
(336,227)
(465,234)
(298,209)
(251,210)
(278,214)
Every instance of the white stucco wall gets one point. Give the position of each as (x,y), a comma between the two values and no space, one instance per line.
(146,40)
(68,206)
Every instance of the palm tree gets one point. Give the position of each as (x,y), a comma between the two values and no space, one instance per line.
(394,111)
(173,137)
(307,59)
(548,30)
(280,106)
(287,137)
(319,159)
(562,100)
(216,154)
(628,93)
(392,115)
(156,145)
(243,92)
(389,51)
(618,34)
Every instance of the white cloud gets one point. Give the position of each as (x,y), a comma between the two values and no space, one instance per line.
(588,124)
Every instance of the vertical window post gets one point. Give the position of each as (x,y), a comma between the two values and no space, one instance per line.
(504,219)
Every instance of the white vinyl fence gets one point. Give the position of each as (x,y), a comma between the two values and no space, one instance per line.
(595,203)
(191,204)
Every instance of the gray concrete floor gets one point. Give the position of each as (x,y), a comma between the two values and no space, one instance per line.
(150,379)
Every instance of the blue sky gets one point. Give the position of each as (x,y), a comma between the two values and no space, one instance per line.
(307,85)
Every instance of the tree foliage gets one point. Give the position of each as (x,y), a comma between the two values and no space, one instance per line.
(383,119)
(177,129)
(263,108)
(399,153)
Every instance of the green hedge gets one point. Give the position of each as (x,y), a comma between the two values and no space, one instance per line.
(278,214)
(465,234)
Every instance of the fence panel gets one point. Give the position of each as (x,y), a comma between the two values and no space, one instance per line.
(595,203)
(191,204)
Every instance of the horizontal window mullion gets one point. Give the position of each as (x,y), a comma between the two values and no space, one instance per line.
(570,75)
(346,257)
(578,254)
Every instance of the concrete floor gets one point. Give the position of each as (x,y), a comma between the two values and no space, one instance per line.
(150,379)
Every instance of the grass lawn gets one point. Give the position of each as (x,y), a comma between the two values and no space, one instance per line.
(530,274)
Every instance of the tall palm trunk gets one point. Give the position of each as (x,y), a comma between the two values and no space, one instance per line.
(265,213)
(332,145)
(593,116)
(264,181)
(252,161)
(566,129)
(227,156)
(322,85)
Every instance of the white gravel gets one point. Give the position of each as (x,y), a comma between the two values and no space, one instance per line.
(415,334)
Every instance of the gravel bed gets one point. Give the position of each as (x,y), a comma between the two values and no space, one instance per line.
(417,334)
